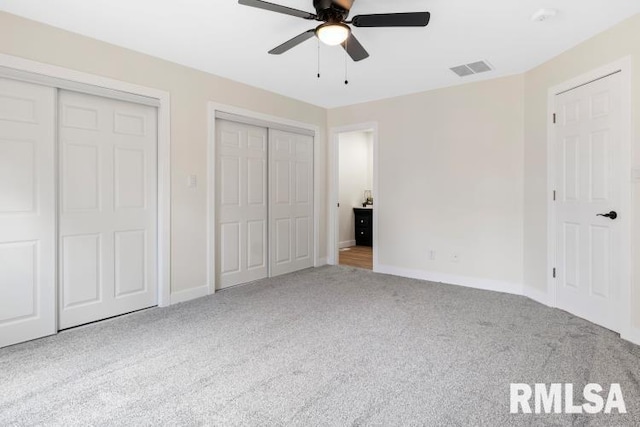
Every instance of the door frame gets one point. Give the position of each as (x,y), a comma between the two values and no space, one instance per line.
(21,69)
(260,119)
(333,257)
(623,300)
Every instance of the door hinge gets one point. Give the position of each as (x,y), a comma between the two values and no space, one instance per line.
(338,204)
(554,273)
(554,195)
(554,118)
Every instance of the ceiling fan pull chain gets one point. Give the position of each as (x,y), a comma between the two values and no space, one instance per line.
(318,57)
(346,62)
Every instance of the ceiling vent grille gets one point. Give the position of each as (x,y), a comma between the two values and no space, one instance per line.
(472,68)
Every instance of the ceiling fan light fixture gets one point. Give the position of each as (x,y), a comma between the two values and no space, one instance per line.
(333,34)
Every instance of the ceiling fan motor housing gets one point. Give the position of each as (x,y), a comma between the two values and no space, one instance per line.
(332,10)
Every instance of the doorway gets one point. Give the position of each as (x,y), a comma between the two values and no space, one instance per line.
(590,217)
(354,196)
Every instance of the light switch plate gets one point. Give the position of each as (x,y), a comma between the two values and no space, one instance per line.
(192,181)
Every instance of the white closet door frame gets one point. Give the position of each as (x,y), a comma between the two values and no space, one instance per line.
(623,66)
(265,120)
(53,76)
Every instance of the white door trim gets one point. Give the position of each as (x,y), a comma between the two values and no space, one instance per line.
(624,300)
(252,116)
(334,191)
(46,75)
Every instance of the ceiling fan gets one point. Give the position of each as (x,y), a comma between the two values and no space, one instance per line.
(335,28)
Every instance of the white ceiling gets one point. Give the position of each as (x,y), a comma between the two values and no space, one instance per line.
(224,38)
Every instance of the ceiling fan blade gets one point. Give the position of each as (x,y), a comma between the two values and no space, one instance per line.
(277,8)
(293,42)
(355,50)
(417,19)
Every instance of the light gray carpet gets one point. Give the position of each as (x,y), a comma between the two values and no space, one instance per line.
(330,346)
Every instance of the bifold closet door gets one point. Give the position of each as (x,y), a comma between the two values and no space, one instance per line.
(241,203)
(291,201)
(27,212)
(107,208)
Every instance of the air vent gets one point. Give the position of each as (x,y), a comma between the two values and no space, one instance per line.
(462,70)
(473,68)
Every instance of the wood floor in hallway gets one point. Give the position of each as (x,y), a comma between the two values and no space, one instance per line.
(357,256)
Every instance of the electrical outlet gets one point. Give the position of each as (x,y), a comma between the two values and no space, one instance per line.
(455,257)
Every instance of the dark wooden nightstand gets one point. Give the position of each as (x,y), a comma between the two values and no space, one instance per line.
(364,226)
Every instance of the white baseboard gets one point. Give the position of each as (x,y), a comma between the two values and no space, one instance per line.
(346,244)
(450,279)
(537,295)
(189,294)
(320,262)
(632,335)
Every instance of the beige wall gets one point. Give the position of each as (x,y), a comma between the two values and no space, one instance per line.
(451,178)
(190,91)
(616,43)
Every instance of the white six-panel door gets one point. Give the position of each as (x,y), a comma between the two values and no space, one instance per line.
(588,175)
(27,212)
(291,201)
(241,203)
(107,209)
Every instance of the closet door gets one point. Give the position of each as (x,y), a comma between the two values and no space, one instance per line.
(27,212)
(108,192)
(241,203)
(291,201)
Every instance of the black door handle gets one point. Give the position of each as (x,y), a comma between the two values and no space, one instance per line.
(610,215)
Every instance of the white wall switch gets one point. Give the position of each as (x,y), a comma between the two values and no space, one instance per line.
(192,181)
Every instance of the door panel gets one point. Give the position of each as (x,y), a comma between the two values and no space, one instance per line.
(27,212)
(256,232)
(599,167)
(600,260)
(302,235)
(589,178)
(108,191)
(256,171)
(81,270)
(130,255)
(130,176)
(18,185)
(283,240)
(231,247)
(291,201)
(282,181)
(571,169)
(80,180)
(241,203)
(19,268)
